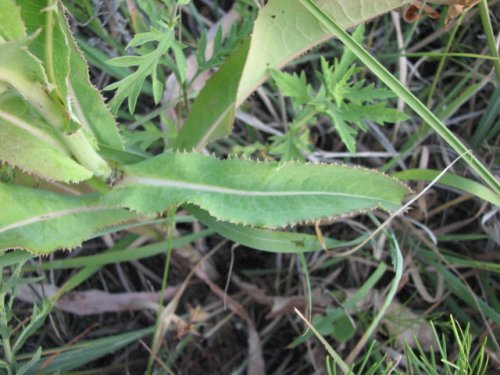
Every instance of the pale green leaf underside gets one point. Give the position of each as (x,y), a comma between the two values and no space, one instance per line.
(285,29)
(32,146)
(257,194)
(11,24)
(25,74)
(60,55)
(42,221)
(50,46)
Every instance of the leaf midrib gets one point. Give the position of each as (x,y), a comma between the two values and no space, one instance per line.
(53,215)
(34,131)
(161,182)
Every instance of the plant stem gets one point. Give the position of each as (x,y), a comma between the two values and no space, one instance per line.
(411,100)
(170,243)
(490,37)
(55,114)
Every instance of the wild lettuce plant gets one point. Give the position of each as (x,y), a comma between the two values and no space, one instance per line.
(73,174)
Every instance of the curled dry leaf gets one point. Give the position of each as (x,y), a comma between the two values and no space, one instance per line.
(457,8)
(416,10)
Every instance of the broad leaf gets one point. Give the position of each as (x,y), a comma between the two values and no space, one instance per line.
(42,221)
(283,30)
(256,194)
(28,143)
(212,114)
(272,48)
(68,70)
(50,46)
(86,101)
(11,23)
(24,73)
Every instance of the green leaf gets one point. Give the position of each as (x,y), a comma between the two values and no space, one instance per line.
(24,73)
(345,101)
(86,101)
(112,257)
(256,194)
(22,129)
(264,239)
(347,133)
(68,72)
(377,113)
(285,30)
(336,28)
(78,354)
(211,116)
(130,86)
(292,145)
(344,65)
(449,179)
(293,85)
(11,23)
(181,62)
(50,46)
(42,221)
(349,103)
(358,94)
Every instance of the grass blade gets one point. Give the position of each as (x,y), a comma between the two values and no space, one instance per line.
(411,100)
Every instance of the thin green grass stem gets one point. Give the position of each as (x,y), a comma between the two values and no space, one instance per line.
(439,71)
(490,36)
(170,243)
(401,91)
(307,284)
(397,261)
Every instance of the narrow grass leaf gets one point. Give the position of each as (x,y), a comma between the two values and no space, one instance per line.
(401,91)
(449,179)
(285,30)
(457,287)
(324,323)
(115,257)
(487,125)
(74,356)
(264,239)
